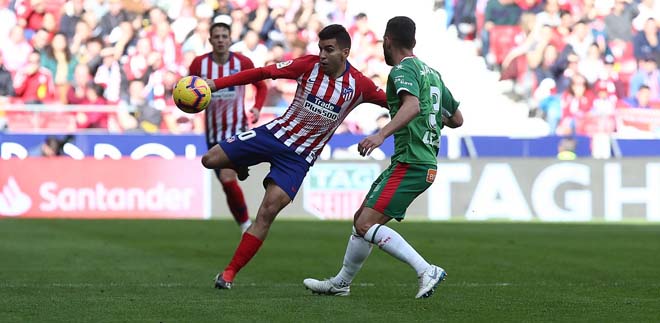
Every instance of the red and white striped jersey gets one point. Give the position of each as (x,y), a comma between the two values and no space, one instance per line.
(225,115)
(320,104)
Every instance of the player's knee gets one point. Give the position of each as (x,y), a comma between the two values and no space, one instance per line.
(207,161)
(361,228)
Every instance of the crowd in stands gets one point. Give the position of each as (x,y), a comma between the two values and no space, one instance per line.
(582,65)
(127,55)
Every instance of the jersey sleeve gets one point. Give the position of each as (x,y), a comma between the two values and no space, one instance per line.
(404,78)
(448,102)
(260,86)
(291,69)
(373,94)
(195,67)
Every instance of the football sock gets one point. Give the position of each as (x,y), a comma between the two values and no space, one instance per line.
(246,250)
(356,254)
(394,244)
(236,201)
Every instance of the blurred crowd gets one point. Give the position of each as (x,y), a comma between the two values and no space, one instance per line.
(127,55)
(578,64)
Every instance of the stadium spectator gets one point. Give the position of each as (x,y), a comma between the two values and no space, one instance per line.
(259,16)
(136,62)
(160,33)
(566,149)
(641,100)
(41,39)
(618,24)
(137,113)
(31,15)
(197,40)
(81,36)
(339,14)
(7,19)
(77,93)
(93,119)
(239,24)
(592,65)
(16,49)
(550,16)
(647,41)
(58,60)
(647,9)
(498,13)
(251,47)
(647,74)
(109,75)
(6,83)
(73,11)
(576,103)
(33,83)
(90,54)
(111,20)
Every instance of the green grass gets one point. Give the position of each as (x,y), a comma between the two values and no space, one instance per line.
(162,271)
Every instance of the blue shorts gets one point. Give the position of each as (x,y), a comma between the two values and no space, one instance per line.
(287,169)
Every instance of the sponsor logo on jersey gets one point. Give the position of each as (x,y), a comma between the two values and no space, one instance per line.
(224,94)
(283,64)
(399,79)
(322,108)
(430,175)
(231,139)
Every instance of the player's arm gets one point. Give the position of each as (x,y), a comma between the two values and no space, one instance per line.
(409,110)
(452,121)
(290,70)
(374,94)
(260,92)
(451,115)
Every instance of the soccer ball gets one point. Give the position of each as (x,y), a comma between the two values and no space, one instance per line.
(191,94)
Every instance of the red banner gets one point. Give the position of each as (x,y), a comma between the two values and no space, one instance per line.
(643,119)
(90,188)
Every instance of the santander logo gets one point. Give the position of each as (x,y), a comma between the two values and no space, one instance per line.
(118,199)
(13,202)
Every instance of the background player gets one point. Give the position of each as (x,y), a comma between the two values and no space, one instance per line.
(328,89)
(416,95)
(225,115)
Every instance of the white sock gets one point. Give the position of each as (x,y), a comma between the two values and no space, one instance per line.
(394,244)
(356,254)
(245,225)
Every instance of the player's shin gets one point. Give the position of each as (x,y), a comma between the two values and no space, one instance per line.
(356,254)
(394,244)
(247,248)
(236,201)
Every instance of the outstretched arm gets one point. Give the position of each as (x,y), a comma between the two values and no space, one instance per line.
(241,78)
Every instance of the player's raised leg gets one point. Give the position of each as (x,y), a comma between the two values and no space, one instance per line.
(274,201)
(235,198)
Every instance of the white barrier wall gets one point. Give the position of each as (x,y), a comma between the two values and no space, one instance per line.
(485,189)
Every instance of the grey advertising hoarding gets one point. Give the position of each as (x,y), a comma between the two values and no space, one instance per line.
(484,189)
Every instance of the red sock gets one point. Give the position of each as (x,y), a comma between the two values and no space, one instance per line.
(236,201)
(246,250)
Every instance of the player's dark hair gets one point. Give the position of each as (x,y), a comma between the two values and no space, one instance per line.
(220,25)
(337,32)
(402,31)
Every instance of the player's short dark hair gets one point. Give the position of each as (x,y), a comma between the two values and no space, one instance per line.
(402,31)
(221,25)
(337,32)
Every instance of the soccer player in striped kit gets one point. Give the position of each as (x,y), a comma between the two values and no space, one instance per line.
(225,115)
(328,89)
(420,104)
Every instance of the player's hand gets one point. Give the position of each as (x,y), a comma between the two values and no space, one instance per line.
(255,115)
(211,84)
(367,145)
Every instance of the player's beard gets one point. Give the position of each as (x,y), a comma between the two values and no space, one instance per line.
(388,57)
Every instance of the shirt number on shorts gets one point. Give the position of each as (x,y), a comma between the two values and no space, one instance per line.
(243,136)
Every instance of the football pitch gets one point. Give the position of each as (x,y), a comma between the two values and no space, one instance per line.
(162,271)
